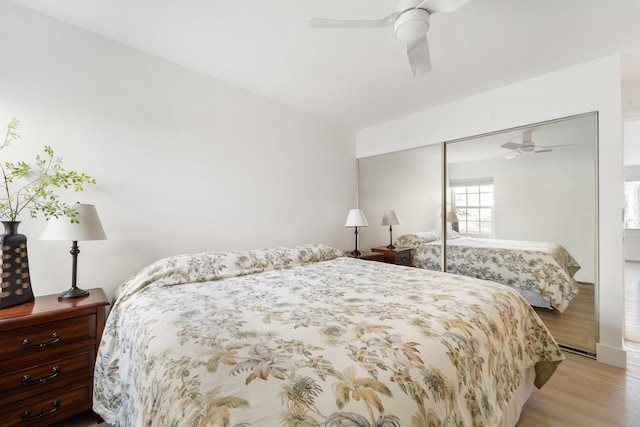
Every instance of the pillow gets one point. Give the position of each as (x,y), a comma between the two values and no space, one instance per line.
(211,266)
(413,239)
(428,236)
(435,235)
(451,234)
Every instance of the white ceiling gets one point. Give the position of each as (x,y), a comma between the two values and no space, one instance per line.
(361,77)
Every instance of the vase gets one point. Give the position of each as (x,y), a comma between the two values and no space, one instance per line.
(16,282)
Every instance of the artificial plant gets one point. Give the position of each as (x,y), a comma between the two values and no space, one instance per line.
(32,188)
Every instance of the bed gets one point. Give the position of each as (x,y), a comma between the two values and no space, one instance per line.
(307,336)
(542,272)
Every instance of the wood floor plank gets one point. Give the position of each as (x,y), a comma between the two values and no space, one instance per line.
(576,327)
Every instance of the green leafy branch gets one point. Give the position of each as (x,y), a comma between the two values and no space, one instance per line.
(36,184)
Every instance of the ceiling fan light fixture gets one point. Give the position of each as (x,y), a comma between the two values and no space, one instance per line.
(412,24)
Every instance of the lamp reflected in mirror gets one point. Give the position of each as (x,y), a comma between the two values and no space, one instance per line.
(452,217)
(390,218)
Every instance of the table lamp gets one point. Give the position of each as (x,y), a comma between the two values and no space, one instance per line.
(356,219)
(390,218)
(89,227)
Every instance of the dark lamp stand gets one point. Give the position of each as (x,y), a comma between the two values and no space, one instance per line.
(390,245)
(356,252)
(74,291)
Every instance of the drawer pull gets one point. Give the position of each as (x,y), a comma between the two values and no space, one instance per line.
(26,415)
(26,380)
(26,343)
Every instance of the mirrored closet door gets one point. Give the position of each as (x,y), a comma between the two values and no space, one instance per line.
(509,200)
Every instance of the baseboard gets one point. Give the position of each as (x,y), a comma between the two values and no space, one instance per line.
(611,356)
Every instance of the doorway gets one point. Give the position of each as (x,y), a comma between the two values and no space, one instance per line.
(632,225)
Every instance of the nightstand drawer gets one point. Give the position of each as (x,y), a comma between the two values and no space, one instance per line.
(404,258)
(48,408)
(23,381)
(24,342)
(399,256)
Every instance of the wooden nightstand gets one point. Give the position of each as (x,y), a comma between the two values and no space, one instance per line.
(400,256)
(372,256)
(47,354)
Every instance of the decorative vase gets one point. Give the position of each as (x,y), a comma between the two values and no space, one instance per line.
(16,282)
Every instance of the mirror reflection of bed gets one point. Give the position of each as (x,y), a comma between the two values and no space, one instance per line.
(524,200)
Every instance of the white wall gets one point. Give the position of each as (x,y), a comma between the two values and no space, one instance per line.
(406,181)
(184,163)
(593,86)
(632,173)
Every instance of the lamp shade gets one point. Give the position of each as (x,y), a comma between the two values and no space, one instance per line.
(356,218)
(452,217)
(88,228)
(390,218)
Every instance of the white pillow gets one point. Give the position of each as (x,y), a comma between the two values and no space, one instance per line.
(435,235)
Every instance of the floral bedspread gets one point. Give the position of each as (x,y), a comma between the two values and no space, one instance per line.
(541,267)
(305,336)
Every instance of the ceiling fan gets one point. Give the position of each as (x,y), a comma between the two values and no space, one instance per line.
(410,22)
(527,146)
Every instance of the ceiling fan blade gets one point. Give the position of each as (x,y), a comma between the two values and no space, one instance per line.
(441,5)
(511,145)
(346,23)
(419,57)
(543,151)
(556,146)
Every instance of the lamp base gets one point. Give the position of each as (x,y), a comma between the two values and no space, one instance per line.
(390,246)
(356,253)
(73,292)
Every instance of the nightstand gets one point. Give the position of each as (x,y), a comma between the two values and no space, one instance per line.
(372,256)
(47,355)
(400,256)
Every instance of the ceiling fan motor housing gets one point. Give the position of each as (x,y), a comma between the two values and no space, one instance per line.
(412,24)
(527,142)
(527,147)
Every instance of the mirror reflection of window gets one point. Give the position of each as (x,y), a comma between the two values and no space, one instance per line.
(472,201)
(631,204)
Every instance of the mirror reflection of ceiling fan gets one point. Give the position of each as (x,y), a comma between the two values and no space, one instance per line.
(410,22)
(527,146)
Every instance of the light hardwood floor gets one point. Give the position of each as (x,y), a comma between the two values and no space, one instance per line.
(586,393)
(575,328)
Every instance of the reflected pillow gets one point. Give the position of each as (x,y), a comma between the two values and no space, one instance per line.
(413,239)
(429,236)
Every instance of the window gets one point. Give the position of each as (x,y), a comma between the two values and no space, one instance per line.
(632,204)
(472,201)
